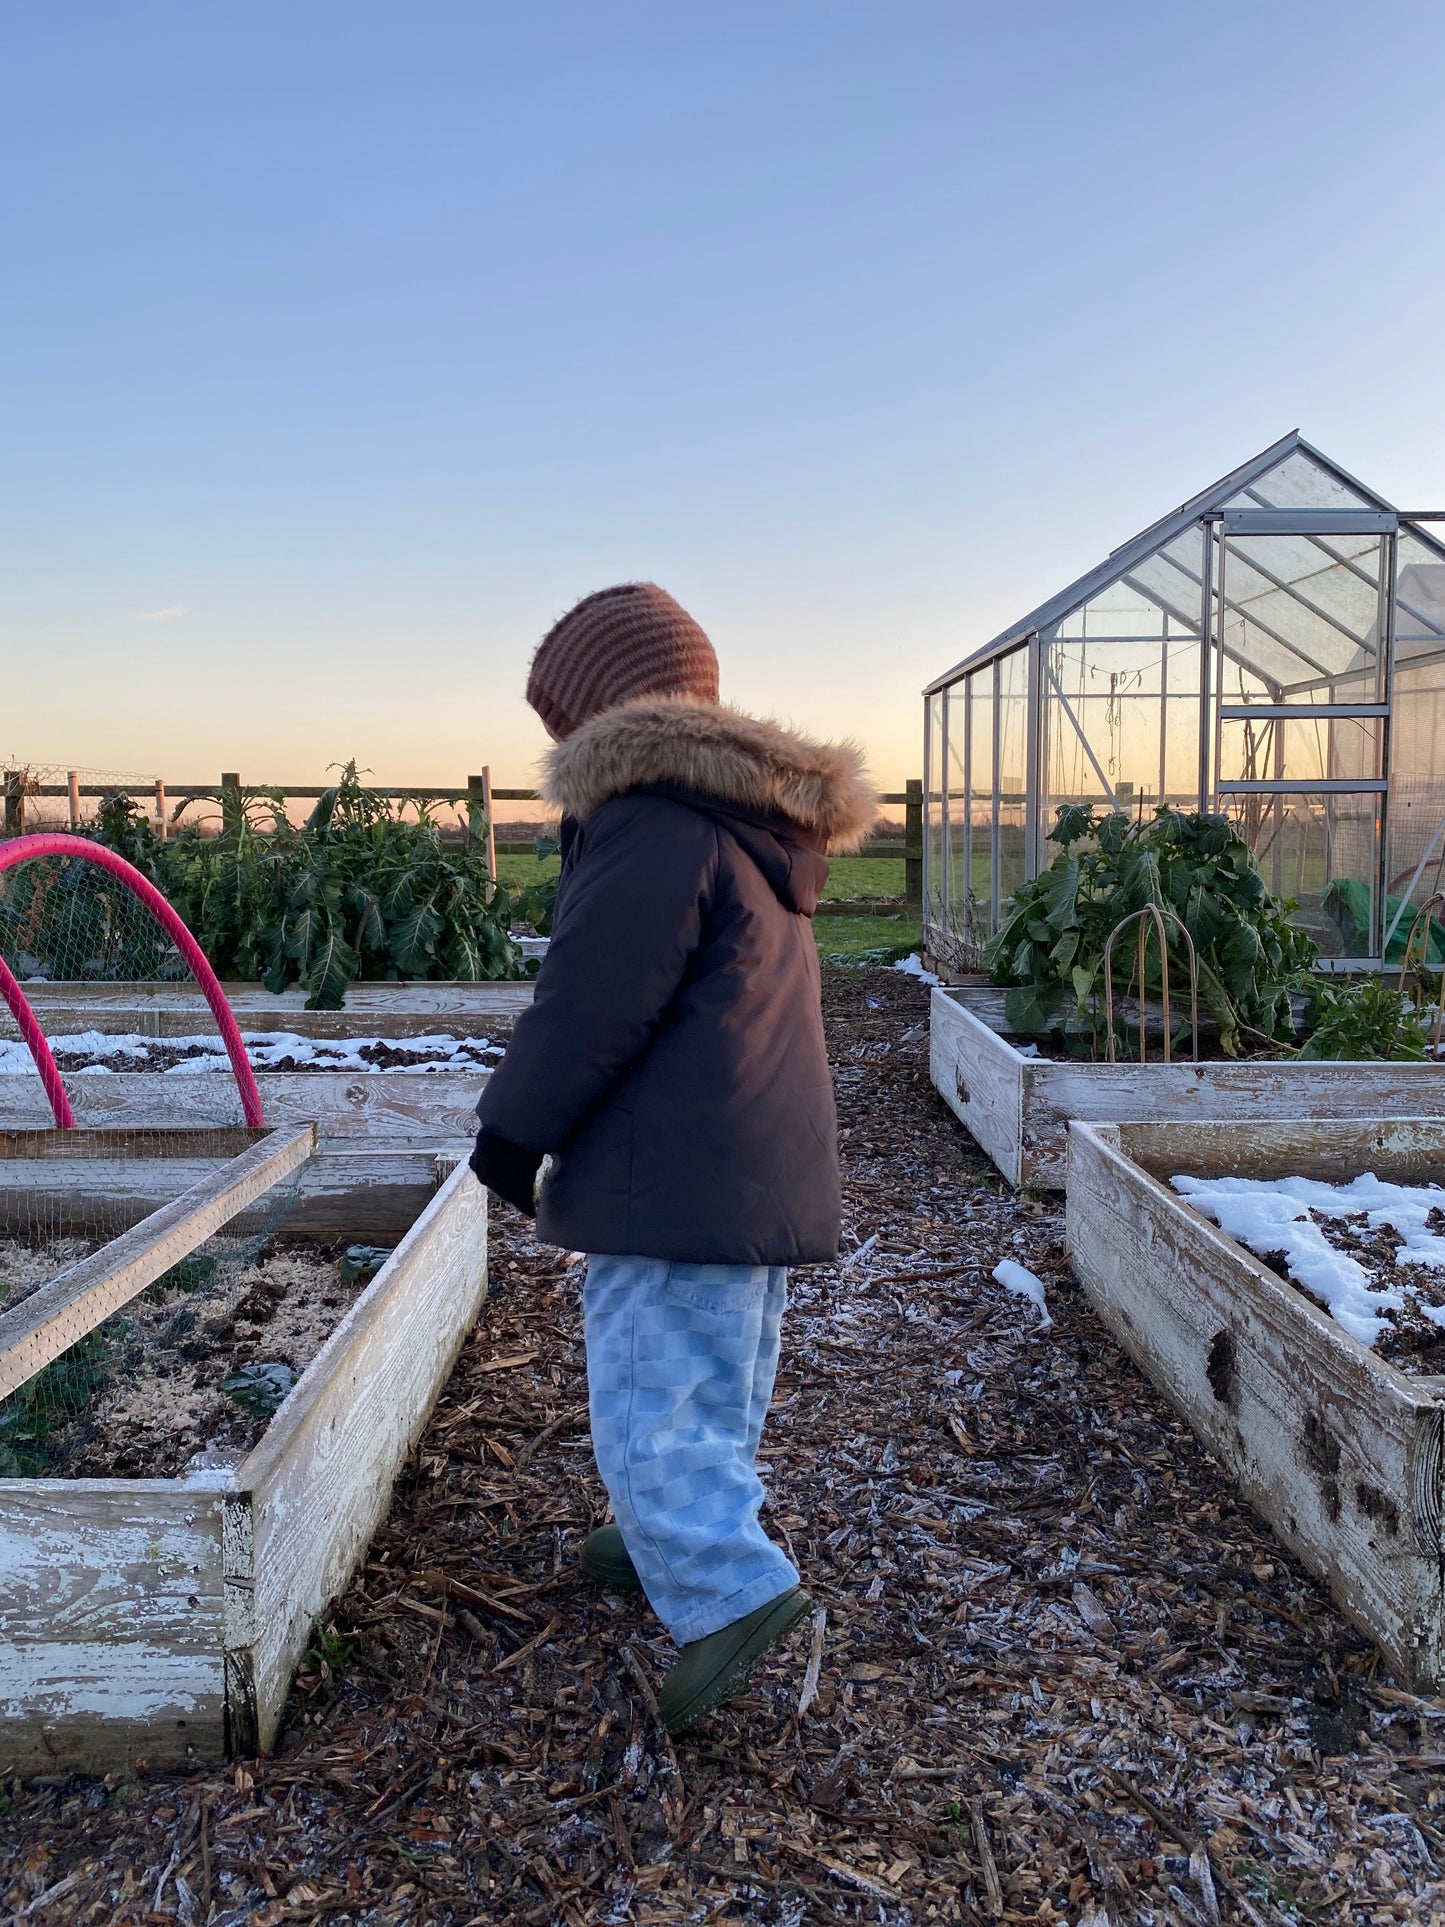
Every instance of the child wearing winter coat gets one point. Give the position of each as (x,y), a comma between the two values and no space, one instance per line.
(672,1068)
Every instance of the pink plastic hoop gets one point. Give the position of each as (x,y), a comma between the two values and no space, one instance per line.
(19,850)
(34,1037)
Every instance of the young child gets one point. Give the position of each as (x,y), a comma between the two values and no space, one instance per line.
(673,1069)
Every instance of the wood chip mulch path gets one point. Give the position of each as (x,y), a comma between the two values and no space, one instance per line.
(1055,1672)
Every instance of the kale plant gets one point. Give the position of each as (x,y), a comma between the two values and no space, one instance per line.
(1051,949)
(359,891)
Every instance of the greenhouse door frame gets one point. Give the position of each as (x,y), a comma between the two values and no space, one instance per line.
(1223,524)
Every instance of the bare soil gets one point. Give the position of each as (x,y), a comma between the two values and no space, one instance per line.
(1062,1675)
(1412,1342)
(162,1402)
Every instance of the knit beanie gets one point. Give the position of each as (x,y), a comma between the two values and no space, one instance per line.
(620,643)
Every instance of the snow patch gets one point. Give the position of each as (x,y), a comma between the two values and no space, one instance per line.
(112,1051)
(1269,1215)
(913,967)
(1021,1281)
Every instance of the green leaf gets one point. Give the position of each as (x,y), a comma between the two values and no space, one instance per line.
(1033,1007)
(260,1390)
(413,940)
(333,965)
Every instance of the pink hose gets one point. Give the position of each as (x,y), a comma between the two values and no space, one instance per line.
(34,1036)
(19,850)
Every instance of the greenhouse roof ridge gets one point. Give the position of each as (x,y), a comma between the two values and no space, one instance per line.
(1121,560)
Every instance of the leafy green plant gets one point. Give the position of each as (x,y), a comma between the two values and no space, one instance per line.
(1362,1019)
(360,1263)
(361,890)
(330,1651)
(1051,949)
(260,1389)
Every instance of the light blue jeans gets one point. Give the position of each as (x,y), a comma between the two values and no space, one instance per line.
(680,1367)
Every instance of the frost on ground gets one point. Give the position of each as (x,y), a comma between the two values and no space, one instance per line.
(96,1050)
(1372,1253)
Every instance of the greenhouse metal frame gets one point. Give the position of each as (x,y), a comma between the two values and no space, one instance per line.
(1274,650)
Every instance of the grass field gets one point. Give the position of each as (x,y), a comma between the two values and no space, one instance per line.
(848,876)
(871,939)
(840,939)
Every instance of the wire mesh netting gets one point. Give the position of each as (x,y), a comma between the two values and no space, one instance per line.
(67,1199)
(65,920)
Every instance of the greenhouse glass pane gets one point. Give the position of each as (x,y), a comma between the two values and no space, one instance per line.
(1322,851)
(1417,781)
(1312,749)
(1298,482)
(960,889)
(1301,613)
(1013,724)
(934,815)
(980,794)
(1121,718)
(1419,599)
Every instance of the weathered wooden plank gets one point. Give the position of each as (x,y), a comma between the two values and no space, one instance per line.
(416,1106)
(1336,1449)
(980,1077)
(180,1010)
(78,1298)
(311,1494)
(110,1624)
(1031,1145)
(51,1146)
(351,1189)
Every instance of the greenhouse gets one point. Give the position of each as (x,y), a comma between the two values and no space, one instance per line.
(1273,649)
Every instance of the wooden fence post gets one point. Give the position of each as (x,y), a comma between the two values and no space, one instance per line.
(231,812)
(72,784)
(161,825)
(913,846)
(491,827)
(14,802)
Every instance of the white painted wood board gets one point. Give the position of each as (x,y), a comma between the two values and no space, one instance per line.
(160,1620)
(110,1625)
(351,1189)
(311,1494)
(1018,1108)
(1336,1449)
(393,1105)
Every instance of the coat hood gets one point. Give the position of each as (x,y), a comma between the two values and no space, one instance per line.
(716,753)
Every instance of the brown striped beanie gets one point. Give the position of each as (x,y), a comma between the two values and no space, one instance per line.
(620,643)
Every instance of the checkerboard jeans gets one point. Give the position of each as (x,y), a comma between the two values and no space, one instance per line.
(680,1366)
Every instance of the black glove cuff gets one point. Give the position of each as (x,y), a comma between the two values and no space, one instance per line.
(508,1169)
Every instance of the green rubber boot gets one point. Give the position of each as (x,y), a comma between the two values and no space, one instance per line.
(607,1562)
(712,1670)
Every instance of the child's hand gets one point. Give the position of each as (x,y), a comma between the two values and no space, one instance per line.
(508,1169)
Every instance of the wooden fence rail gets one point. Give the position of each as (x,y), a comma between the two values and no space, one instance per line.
(17,789)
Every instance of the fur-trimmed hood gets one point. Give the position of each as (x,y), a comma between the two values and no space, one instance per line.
(716,752)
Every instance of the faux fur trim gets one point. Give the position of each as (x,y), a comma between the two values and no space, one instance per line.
(720,752)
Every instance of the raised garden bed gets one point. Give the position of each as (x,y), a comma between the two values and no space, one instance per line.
(1335,1446)
(160,1617)
(1018,1106)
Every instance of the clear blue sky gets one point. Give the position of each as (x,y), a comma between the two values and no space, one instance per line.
(344,345)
